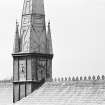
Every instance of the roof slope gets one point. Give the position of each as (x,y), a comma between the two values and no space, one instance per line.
(68,93)
(6,93)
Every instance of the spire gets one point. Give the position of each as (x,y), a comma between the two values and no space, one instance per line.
(38,7)
(16,41)
(33,28)
(33,7)
(49,40)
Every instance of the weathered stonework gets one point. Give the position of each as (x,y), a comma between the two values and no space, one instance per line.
(32,59)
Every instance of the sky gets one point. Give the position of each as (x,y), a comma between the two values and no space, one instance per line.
(78,34)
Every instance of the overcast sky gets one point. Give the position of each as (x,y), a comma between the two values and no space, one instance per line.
(78,33)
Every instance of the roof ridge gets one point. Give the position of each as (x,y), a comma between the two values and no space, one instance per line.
(81,78)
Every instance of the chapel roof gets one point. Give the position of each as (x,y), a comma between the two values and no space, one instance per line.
(82,92)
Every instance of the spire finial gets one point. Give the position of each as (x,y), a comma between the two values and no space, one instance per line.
(17,24)
(49,40)
(49,25)
(49,22)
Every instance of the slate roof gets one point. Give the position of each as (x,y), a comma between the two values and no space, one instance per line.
(6,93)
(84,92)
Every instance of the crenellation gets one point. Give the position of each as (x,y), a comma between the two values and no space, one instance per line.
(59,79)
(93,77)
(69,79)
(103,77)
(81,78)
(66,79)
(62,79)
(85,78)
(98,77)
(77,78)
(89,77)
(73,78)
